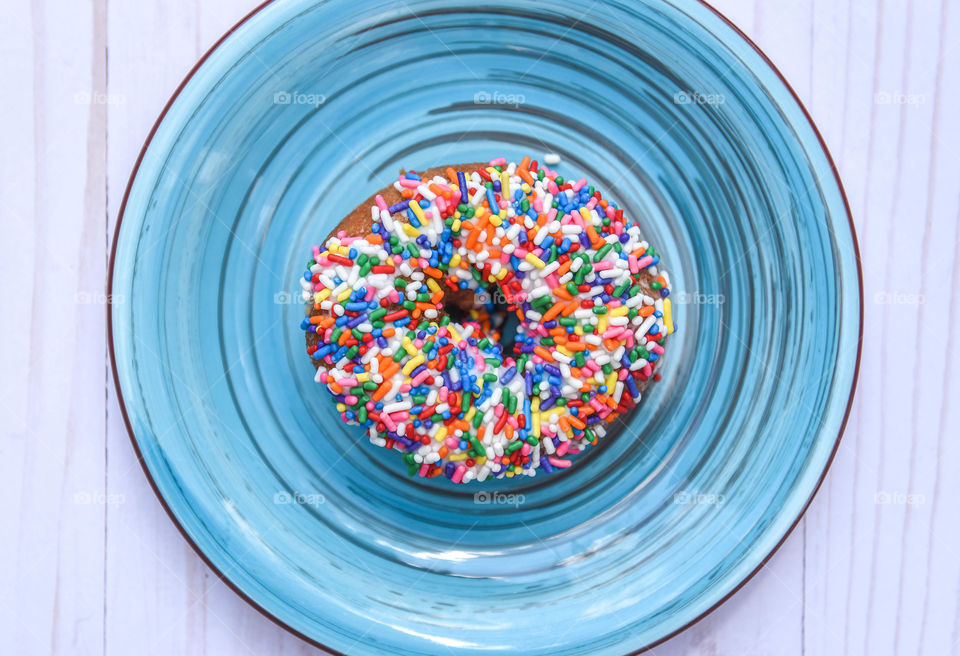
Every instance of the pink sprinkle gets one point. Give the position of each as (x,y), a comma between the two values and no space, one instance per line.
(557,462)
(382,204)
(632,261)
(562,449)
(458,474)
(424,468)
(420,377)
(645,261)
(500,161)
(656,348)
(578,185)
(553,188)
(350,399)
(408,183)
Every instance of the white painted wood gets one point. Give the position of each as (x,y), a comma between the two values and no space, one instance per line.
(52,268)
(90,561)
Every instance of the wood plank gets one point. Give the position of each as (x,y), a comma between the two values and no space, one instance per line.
(52,202)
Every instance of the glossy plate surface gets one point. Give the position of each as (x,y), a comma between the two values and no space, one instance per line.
(305,109)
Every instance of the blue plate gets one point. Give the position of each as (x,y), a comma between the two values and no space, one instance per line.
(307,107)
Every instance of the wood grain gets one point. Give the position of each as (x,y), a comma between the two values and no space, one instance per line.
(92,565)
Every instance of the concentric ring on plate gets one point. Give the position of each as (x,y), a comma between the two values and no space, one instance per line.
(668,109)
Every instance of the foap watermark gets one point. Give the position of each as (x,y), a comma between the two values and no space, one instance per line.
(490,296)
(285,498)
(98,98)
(499,98)
(898,98)
(285,298)
(898,298)
(298,98)
(499,499)
(697,298)
(895,498)
(98,298)
(685,498)
(696,98)
(86,498)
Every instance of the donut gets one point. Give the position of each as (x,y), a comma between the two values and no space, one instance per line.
(486,320)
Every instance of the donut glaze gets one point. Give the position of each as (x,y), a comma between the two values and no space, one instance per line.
(408,303)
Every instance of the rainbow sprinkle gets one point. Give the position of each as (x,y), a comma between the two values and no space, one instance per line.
(593,310)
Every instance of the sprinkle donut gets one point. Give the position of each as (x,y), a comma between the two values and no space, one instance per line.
(486,320)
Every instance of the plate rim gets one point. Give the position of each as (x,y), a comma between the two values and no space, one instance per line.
(313,641)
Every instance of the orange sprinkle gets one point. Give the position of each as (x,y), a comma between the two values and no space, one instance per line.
(543,353)
(381,391)
(553,311)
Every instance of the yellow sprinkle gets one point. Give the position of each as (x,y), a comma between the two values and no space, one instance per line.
(454,333)
(343,250)
(505,184)
(525,187)
(565,351)
(602,325)
(417,212)
(410,230)
(509,473)
(577,330)
(481,212)
(534,260)
(481,460)
(409,347)
(585,213)
(362,378)
(432,285)
(455,258)
(321,295)
(619,311)
(501,274)
(412,364)
(497,219)
(470,413)
(341,407)
(611,381)
(456,225)
(455,457)
(535,416)
(667,315)
(344,295)
(441,434)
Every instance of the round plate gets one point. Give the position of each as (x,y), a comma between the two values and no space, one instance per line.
(306,108)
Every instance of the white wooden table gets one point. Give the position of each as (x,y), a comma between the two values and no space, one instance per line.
(90,563)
